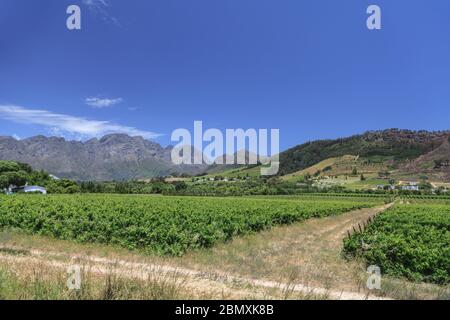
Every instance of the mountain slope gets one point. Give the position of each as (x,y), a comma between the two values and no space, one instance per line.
(113,157)
(403,152)
(324,166)
(393,143)
(434,164)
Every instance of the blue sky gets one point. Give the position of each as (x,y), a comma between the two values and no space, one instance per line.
(308,67)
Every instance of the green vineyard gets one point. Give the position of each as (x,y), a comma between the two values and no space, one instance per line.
(411,241)
(163,225)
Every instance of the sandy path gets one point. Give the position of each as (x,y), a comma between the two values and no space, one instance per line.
(309,253)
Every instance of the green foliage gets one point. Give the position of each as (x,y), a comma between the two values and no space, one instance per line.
(61,186)
(166,225)
(18,174)
(11,166)
(4,181)
(13,173)
(156,186)
(412,241)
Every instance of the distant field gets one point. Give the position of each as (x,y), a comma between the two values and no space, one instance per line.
(330,164)
(330,196)
(251,171)
(165,225)
(408,240)
(424,199)
(341,166)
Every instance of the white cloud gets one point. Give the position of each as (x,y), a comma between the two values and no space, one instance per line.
(101,7)
(15,136)
(102,102)
(95,3)
(66,125)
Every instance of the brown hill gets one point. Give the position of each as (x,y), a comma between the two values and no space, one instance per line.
(434,164)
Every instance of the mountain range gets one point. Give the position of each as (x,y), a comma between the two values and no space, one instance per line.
(113,157)
(121,157)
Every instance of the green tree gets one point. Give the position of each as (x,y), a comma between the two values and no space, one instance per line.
(4,182)
(8,166)
(17,178)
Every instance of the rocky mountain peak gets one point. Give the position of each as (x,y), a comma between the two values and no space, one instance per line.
(114,156)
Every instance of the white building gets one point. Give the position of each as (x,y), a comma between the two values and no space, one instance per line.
(29,189)
(412,186)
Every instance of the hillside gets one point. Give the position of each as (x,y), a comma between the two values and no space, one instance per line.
(434,164)
(113,157)
(403,153)
(328,166)
(398,145)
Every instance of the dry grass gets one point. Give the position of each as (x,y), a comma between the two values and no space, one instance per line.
(42,275)
(38,281)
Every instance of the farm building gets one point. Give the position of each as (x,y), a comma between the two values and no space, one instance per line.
(29,189)
(411,186)
(385,187)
